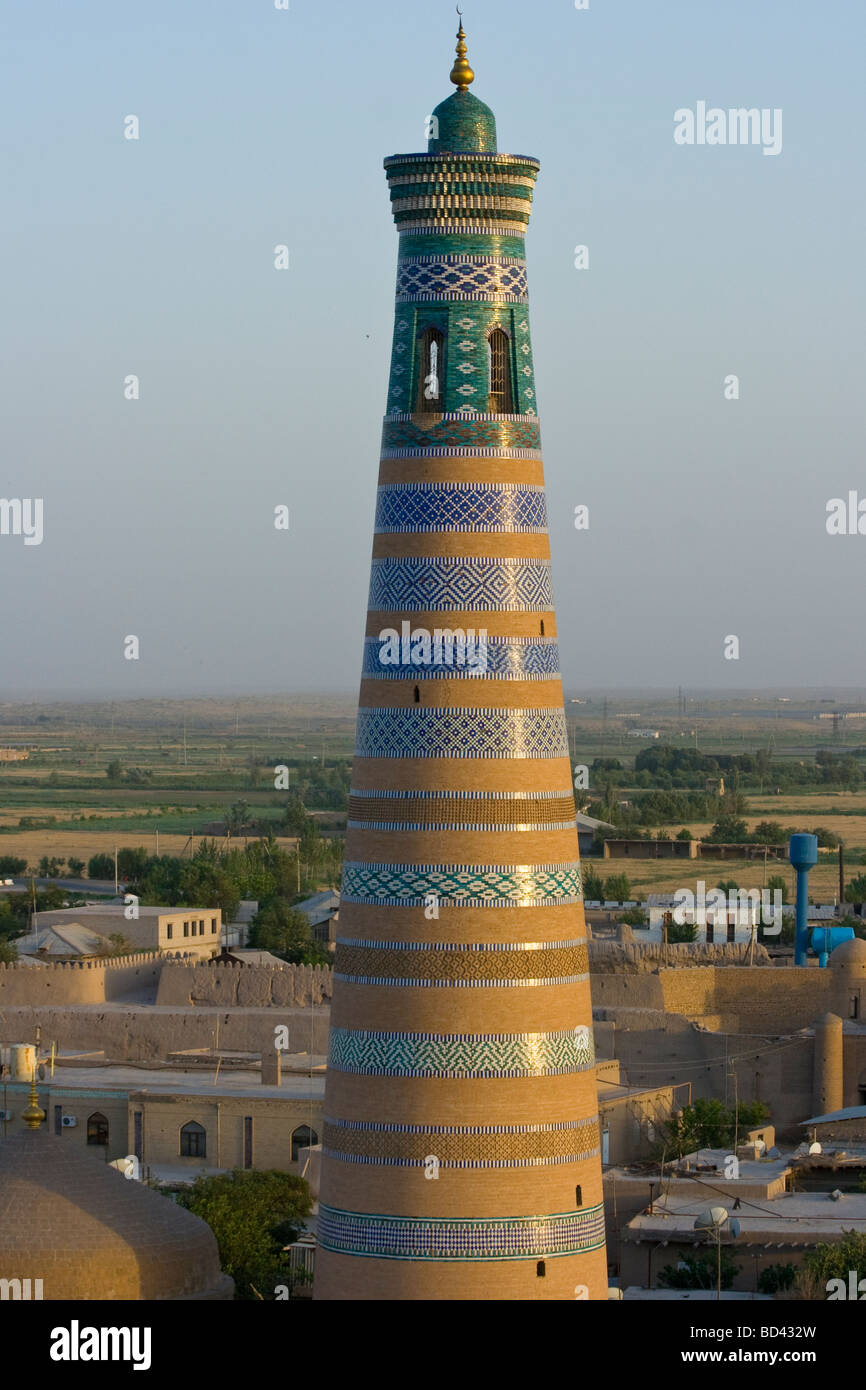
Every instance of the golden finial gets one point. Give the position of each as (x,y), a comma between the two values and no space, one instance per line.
(33,1115)
(461,73)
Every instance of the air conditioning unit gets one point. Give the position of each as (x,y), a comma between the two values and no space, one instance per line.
(6,1115)
(69,1121)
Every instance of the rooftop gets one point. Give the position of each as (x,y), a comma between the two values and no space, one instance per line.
(797,1218)
(297,1083)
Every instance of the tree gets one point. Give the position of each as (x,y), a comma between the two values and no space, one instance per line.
(238,818)
(855,889)
(101,866)
(253,1216)
(701,1272)
(114,771)
(634,917)
(833,1262)
(710,1124)
(681,933)
(593,886)
(617,888)
(131,862)
(684,834)
(76,867)
(8,952)
(728,830)
(770,832)
(9,865)
(776,1278)
(777,883)
(282,929)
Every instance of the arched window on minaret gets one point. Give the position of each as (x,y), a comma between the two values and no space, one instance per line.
(431,374)
(500,400)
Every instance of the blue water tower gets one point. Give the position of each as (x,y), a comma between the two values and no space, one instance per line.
(803,854)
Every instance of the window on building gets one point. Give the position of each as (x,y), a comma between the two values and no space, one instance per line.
(248,1141)
(302,1138)
(97,1128)
(709,933)
(213,926)
(186,928)
(416,696)
(193,1141)
(541,1269)
(854,1006)
(732,931)
(500,400)
(169,932)
(431,372)
(578,1196)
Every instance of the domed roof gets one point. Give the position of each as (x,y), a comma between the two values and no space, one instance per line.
(88,1232)
(851,952)
(462,123)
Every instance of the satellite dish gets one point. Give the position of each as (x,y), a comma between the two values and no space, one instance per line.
(711,1219)
(815,1148)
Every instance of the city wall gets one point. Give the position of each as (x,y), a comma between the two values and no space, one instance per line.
(147,1034)
(81,982)
(213,984)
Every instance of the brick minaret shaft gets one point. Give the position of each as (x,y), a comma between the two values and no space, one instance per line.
(460,1152)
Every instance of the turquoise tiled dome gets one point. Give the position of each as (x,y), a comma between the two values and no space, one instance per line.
(465,124)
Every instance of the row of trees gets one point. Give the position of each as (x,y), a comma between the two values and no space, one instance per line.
(669,767)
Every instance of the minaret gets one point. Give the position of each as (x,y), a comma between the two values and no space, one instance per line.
(460,1149)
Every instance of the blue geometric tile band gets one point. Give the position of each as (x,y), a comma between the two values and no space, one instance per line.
(460,1146)
(468,885)
(464,1055)
(498,279)
(455,583)
(420,732)
(460,1238)
(507,658)
(436,965)
(405,507)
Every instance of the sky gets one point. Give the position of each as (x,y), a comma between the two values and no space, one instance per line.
(259,388)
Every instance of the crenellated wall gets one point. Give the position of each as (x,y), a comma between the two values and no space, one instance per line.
(80,982)
(215,984)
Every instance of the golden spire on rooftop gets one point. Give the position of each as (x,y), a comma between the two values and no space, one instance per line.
(33,1115)
(461,73)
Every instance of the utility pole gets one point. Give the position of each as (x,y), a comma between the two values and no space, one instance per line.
(116,888)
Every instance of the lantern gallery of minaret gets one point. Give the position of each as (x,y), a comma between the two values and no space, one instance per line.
(460,1146)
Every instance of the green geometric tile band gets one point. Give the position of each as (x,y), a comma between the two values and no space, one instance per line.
(461,1055)
(467,429)
(434,966)
(461,732)
(460,1238)
(456,1146)
(465,885)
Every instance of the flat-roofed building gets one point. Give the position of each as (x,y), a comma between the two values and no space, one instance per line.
(191,930)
